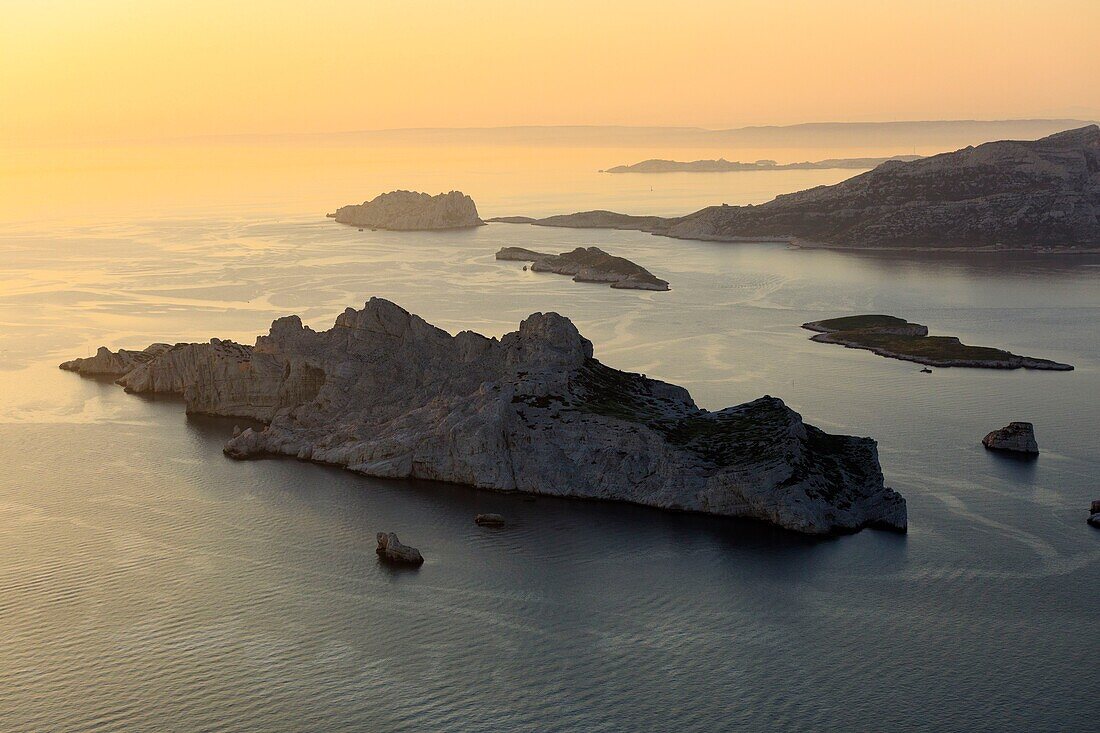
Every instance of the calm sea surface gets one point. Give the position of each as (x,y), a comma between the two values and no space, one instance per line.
(147,583)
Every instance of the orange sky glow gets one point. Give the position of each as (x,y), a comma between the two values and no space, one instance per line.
(85,70)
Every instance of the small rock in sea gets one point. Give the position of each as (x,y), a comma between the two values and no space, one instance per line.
(360,228)
(236,430)
(926,370)
(391,550)
(489,520)
(1016,437)
(525,268)
(1094,520)
(1095,507)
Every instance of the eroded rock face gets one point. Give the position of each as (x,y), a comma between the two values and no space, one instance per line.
(386,394)
(109,363)
(392,551)
(1016,437)
(1039,194)
(412,211)
(588,264)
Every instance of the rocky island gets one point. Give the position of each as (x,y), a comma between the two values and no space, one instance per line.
(657,165)
(386,394)
(411,211)
(1040,195)
(588,265)
(897,338)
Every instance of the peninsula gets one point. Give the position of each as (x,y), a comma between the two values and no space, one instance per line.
(588,265)
(722,165)
(1040,195)
(897,338)
(386,394)
(411,211)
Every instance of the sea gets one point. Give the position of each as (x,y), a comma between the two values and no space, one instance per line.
(148,583)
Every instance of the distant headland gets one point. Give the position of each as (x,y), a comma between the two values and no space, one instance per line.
(1040,196)
(721,165)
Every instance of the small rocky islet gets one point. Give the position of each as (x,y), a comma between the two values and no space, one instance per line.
(589,265)
(897,338)
(411,211)
(386,394)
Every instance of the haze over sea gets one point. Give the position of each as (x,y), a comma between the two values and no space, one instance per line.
(147,583)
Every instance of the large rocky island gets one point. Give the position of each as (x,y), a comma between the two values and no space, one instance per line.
(1041,195)
(384,393)
(721,165)
(897,338)
(588,265)
(411,211)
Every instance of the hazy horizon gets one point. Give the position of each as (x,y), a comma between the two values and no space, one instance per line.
(117,69)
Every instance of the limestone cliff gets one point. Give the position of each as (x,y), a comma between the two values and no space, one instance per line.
(384,393)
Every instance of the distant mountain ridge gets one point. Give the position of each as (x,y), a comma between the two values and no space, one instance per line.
(657,165)
(904,135)
(1034,195)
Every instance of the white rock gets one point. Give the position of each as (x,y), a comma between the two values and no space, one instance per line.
(386,394)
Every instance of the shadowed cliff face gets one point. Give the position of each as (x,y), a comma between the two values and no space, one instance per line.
(385,393)
(1021,194)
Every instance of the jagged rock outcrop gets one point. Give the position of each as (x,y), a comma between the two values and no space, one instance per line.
(897,338)
(384,393)
(412,211)
(589,265)
(1034,195)
(1016,437)
(391,550)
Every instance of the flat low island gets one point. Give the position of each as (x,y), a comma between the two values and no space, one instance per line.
(897,338)
(588,265)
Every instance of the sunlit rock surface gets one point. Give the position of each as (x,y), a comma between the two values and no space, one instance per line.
(384,393)
(412,211)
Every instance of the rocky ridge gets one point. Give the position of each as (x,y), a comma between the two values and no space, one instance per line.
(1039,195)
(412,211)
(386,394)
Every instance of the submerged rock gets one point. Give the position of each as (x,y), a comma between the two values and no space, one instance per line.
(411,211)
(1016,437)
(391,550)
(489,520)
(589,265)
(386,394)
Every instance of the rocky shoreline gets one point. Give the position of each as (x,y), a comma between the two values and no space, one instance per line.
(386,394)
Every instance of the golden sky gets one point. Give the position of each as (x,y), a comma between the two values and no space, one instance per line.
(73,70)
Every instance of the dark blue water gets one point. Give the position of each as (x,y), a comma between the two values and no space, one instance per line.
(147,583)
